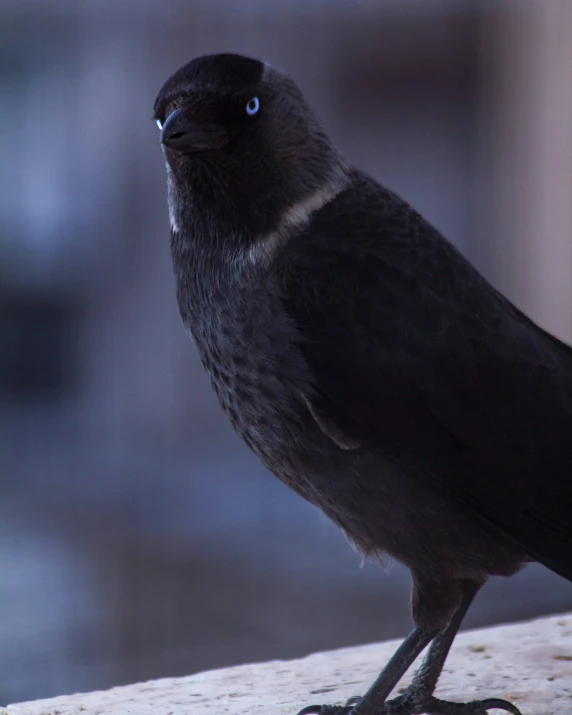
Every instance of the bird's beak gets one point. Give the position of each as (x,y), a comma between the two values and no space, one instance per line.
(183,136)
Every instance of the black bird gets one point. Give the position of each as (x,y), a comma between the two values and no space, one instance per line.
(363,359)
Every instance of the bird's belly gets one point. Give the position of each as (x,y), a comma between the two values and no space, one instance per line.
(270,421)
(265,406)
(380,508)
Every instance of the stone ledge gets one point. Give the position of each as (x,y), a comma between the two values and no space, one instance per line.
(528,663)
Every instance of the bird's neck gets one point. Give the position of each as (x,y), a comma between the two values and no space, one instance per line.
(213,281)
(202,258)
(219,262)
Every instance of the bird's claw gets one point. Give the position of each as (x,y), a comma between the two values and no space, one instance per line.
(325,710)
(434,706)
(408,705)
(332,709)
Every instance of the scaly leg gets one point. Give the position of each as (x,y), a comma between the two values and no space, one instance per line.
(418,698)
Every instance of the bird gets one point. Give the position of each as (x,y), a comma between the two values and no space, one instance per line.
(363,359)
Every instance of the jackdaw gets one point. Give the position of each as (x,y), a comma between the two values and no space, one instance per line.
(363,359)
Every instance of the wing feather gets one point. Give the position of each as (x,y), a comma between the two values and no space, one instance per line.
(416,355)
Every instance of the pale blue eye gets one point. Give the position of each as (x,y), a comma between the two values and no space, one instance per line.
(252,106)
(159,124)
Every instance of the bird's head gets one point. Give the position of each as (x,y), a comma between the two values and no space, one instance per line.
(241,145)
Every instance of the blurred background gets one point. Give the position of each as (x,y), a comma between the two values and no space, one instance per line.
(139,538)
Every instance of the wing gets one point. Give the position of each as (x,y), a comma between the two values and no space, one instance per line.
(414,354)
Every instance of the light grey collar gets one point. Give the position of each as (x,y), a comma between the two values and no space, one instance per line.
(295,216)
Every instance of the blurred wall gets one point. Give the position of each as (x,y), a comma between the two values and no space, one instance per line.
(527,71)
(138,537)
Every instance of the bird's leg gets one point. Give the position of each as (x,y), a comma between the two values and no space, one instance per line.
(425,680)
(373,700)
(418,697)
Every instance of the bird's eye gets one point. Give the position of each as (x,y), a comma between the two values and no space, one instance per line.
(159,124)
(252,106)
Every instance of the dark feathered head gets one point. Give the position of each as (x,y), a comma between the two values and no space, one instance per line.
(241,145)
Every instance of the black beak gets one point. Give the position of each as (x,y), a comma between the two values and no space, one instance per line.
(181,135)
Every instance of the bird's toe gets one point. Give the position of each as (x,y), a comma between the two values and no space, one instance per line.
(326,710)
(408,704)
(434,706)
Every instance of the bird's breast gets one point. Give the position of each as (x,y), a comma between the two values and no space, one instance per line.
(246,347)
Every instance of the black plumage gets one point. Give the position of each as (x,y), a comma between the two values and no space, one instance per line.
(363,359)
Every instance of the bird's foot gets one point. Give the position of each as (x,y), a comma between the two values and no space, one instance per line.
(332,709)
(411,704)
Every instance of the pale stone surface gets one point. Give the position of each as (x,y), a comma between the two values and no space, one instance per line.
(529,664)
